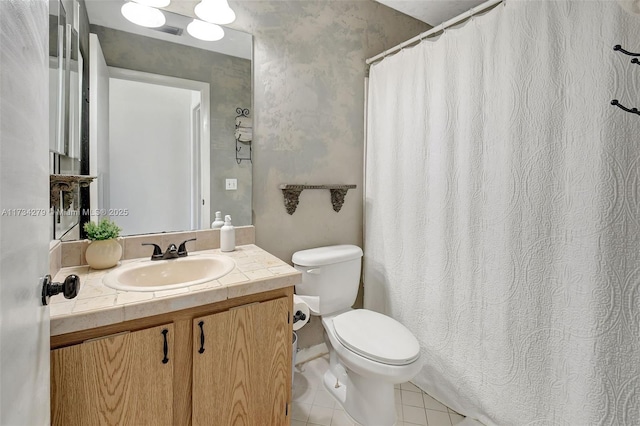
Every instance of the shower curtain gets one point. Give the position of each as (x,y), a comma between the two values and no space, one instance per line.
(503,212)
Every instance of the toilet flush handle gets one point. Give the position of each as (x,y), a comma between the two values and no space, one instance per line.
(315,271)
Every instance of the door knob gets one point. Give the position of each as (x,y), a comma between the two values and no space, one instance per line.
(70,288)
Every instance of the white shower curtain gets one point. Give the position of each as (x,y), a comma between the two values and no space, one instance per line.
(503,212)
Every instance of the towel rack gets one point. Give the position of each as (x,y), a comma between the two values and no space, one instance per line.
(618,48)
(291,194)
(242,112)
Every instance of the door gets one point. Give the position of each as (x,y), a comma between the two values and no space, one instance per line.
(126,379)
(242,366)
(98,130)
(24,207)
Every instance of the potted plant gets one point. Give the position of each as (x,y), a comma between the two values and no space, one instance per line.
(104,250)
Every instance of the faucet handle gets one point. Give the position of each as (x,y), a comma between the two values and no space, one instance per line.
(157,251)
(182,250)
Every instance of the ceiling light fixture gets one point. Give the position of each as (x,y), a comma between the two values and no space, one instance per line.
(205,30)
(154,3)
(215,12)
(143,15)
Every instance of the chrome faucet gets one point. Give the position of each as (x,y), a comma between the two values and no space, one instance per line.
(172,251)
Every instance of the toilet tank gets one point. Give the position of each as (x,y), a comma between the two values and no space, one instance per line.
(332,273)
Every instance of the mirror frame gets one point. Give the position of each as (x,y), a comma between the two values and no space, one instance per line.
(67,153)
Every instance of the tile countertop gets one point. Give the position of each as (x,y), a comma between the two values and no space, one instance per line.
(97,305)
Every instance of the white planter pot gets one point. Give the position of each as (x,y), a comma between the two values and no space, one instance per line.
(103,254)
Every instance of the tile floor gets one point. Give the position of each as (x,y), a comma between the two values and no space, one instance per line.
(313,405)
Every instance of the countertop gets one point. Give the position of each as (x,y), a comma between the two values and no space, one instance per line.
(96,305)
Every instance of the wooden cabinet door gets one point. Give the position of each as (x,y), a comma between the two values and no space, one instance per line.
(242,371)
(117,380)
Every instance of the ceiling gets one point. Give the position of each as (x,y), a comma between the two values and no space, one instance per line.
(106,13)
(433,12)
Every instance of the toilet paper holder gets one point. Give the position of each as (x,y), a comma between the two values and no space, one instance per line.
(299,316)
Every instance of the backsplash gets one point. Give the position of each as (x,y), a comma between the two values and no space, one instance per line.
(71,253)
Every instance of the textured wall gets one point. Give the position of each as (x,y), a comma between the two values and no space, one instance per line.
(229,81)
(308,85)
(309,69)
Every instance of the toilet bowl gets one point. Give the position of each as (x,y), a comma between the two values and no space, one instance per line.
(368,352)
(364,386)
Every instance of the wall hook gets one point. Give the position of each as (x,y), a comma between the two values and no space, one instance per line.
(619,48)
(630,110)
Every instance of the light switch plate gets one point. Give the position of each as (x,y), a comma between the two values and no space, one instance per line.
(231,184)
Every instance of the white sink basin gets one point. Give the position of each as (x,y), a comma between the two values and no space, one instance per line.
(148,275)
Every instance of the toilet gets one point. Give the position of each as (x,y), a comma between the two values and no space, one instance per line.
(368,352)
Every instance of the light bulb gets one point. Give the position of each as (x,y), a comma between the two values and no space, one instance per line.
(205,30)
(215,11)
(143,15)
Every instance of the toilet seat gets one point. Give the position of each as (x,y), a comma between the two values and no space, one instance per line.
(376,337)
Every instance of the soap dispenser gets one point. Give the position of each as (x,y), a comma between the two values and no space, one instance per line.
(217,223)
(227,235)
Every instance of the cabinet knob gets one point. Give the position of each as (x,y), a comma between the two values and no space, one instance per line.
(70,288)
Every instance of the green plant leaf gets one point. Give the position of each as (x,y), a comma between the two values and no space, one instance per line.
(104,230)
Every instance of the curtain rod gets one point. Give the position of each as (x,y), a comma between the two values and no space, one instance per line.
(451,22)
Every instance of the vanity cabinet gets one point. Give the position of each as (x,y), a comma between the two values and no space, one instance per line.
(125,378)
(242,365)
(227,363)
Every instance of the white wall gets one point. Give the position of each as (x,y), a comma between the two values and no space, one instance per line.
(149,158)
(99,128)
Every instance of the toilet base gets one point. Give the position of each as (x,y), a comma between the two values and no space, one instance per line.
(368,401)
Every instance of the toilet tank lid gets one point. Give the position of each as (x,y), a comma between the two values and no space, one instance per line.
(326,255)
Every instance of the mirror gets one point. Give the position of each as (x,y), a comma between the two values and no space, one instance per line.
(151,177)
(66,109)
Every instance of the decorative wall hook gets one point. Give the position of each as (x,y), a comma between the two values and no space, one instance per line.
(244,136)
(618,48)
(630,110)
(291,195)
